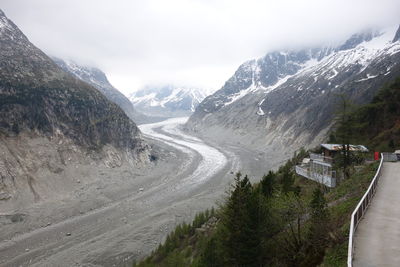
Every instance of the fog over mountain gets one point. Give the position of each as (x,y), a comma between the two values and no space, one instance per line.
(98,79)
(139,42)
(288,98)
(123,120)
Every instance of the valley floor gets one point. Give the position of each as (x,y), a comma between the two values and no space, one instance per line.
(127,213)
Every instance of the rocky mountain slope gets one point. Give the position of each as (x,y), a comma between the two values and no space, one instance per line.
(50,121)
(168,100)
(287,99)
(98,79)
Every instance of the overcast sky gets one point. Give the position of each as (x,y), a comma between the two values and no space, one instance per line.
(188,42)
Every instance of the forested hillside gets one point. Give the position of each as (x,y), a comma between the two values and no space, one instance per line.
(286,220)
(377,124)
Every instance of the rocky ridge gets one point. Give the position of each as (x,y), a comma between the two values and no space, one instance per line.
(98,79)
(287,99)
(43,106)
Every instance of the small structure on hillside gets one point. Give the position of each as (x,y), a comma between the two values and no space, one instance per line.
(397,152)
(318,167)
(330,150)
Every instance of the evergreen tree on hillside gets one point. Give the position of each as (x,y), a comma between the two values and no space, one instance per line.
(317,236)
(287,180)
(291,211)
(319,207)
(212,255)
(380,120)
(345,130)
(236,220)
(267,183)
(261,225)
(244,221)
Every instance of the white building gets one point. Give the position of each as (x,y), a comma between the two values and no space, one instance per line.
(318,168)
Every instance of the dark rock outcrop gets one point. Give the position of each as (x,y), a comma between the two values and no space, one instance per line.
(98,79)
(38,96)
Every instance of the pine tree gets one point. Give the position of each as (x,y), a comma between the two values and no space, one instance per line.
(244,221)
(236,221)
(319,228)
(267,183)
(287,180)
(212,255)
(258,229)
(291,211)
(346,128)
(318,205)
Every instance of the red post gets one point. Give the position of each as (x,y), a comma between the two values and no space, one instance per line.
(376,156)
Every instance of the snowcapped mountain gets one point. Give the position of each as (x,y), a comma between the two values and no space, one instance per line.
(167,100)
(98,79)
(287,99)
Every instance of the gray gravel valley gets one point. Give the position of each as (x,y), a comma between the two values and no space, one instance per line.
(123,216)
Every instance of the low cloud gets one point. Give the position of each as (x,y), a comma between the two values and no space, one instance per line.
(191,42)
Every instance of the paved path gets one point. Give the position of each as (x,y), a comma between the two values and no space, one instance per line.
(377,239)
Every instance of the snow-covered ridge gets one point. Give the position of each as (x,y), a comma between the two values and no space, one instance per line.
(98,79)
(85,73)
(169,98)
(8,29)
(257,85)
(4,23)
(176,95)
(325,65)
(361,55)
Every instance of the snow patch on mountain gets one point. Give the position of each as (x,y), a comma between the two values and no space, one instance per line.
(253,66)
(274,70)
(362,55)
(368,77)
(288,96)
(167,100)
(4,23)
(98,79)
(260,110)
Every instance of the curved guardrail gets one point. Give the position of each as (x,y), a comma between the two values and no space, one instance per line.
(359,211)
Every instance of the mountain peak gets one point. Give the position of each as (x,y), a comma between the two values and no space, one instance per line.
(89,74)
(167,100)
(8,28)
(397,35)
(5,23)
(39,96)
(358,38)
(98,79)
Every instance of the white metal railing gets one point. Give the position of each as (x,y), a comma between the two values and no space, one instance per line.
(360,210)
(320,157)
(327,178)
(302,171)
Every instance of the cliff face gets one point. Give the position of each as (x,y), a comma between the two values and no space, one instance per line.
(98,79)
(38,100)
(37,95)
(288,99)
